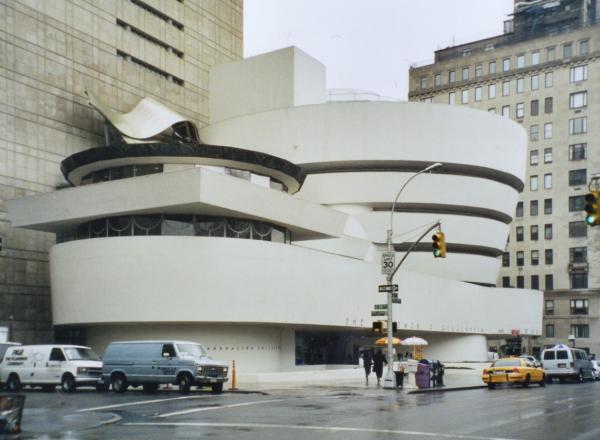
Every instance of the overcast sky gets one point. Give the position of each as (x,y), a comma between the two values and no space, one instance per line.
(369,44)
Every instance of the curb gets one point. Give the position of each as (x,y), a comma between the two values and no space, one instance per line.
(443,390)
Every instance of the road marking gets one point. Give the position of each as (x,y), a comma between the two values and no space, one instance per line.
(319,428)
(143,402)
(210,408)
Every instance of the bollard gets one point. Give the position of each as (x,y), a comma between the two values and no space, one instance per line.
(233,387)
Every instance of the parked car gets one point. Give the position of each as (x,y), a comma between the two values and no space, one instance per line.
(151,363)
(531,359)
(595,369)
(565,362)
(46,366)
(3,347)
(513,370)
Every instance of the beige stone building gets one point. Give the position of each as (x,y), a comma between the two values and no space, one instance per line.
(51,52)
(543,72)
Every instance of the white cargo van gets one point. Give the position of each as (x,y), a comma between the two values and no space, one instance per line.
(564,362)
(46,366)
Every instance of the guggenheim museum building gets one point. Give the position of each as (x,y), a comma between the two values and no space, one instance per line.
(260,235)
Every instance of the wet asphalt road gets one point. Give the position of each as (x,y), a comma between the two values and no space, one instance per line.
(558,411)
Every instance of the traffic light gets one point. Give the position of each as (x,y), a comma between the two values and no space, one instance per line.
(394,327)
(439,245)
(378,327)
(592,208)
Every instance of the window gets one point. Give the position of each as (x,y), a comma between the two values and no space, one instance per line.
(506,111)
(492,67)
(437,79)
(577,229)
(519,212)
(535,282)
(520,110)
(580,330)
(578,177)
(534,133)
(549,330)
(478,71)
(505,281)
(533,232)
(578,73)
(520,61)
(579,306)
(579,280)
(533,183)
(465,73)
(492,110)
(520,258)
(423,82)
(548,232)
(520,85)
(535,82)
(547,155)
(533,157)
(576,203)
(466,52)
(520,282)
(548,130)
(548,181)
(452,76)
(549,282)
(57,355)
(535,258)
(464,97)
(535,107)
(549,307)
(428,99)
(519,233)
(550,54)
(506,64)
(477,93)
(578,125)
(491,91)
(548,79)
(567,50)
(533,207)
(577,151)
(547,206)
(584,47)
(506,88)
(451,98)
(535,57)
(578,255)
(488,47)
(577,100)
(548,105)
(506,259)
(548,256)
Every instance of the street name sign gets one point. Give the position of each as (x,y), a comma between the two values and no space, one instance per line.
(378,312)
(396,300)
(388,288)
(380,306)
(388,262)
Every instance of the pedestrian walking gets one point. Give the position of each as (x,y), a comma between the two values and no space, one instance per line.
(433,373)
(440,374)
(367,362)
(378,361)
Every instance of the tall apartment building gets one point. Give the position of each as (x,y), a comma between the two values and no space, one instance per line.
(51,52)
(544,73)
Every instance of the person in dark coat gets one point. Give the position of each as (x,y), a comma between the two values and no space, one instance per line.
(367,362)
(378,361)
(440,374)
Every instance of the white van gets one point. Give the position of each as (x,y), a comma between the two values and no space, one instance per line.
(46,366)
(564,362)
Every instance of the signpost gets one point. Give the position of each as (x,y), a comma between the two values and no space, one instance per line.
(388,263)
(388,288)
(378,312)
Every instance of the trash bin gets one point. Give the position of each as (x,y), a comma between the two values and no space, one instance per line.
(422,376)
(11,411)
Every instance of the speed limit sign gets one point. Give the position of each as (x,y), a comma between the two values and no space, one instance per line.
(388,262)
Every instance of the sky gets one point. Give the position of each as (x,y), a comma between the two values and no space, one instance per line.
(370,44)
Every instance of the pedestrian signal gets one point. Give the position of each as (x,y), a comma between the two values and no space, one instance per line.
(592,208)
(439,245)
(378,327)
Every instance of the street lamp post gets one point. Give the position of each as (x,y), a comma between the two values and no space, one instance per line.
(390,379)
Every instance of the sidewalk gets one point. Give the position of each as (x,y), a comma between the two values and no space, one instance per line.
(457,376)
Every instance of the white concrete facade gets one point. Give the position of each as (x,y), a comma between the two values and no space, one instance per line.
(247,299)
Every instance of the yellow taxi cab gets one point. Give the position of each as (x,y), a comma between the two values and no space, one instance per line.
(513,370)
